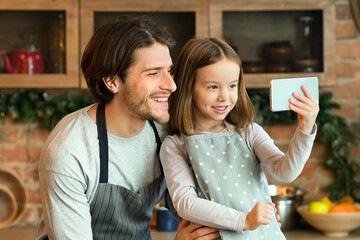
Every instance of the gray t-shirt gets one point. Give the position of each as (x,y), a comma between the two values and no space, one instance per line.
(69,171)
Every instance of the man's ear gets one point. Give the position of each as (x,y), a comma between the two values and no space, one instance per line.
(112,83)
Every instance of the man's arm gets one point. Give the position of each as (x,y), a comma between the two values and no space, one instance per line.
(65,206)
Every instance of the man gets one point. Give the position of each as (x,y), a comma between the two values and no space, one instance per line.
(99,171)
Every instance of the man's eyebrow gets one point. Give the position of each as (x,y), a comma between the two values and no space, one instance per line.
(153,68)
(157,68)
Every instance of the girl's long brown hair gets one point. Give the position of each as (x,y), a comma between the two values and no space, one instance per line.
(198,53)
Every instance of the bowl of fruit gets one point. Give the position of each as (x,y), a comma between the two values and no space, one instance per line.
(334,219)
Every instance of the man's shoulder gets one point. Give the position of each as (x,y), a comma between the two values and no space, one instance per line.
(161,128)
(71,123)
(70,135)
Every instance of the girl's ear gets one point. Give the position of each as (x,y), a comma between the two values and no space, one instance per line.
(112,83)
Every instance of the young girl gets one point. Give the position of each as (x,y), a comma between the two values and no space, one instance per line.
(214,157)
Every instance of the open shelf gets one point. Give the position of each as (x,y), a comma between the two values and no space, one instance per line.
(43,35)
(249,26)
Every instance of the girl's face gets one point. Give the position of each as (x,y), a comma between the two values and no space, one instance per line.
(215,94)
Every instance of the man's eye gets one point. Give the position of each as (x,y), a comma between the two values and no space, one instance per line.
(171,71)
(153,74)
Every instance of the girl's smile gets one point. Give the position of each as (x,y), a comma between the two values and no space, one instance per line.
(221,110)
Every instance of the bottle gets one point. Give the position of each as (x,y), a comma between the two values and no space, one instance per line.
(58,63)
(305,61)
(31,43)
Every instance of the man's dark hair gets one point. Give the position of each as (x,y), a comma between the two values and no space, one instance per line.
(110,51)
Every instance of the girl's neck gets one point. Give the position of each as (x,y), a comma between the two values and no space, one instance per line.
(210,128)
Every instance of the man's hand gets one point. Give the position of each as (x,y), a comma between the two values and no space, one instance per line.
(190,231)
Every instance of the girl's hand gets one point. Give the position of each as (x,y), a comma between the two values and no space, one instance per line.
(190,231)
(261,214)
(306,108)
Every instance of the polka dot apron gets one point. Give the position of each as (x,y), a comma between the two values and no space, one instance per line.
(226,172)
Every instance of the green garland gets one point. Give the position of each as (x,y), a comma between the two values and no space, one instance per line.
(42,107)
(47,109)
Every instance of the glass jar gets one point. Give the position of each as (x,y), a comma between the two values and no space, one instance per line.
(305,59)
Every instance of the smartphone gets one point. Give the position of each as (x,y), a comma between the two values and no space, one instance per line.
(281,91)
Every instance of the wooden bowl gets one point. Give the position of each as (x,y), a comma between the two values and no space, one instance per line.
(8,206)
(15,187)
(331,224)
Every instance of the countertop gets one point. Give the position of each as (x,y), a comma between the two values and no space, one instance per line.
(303,233)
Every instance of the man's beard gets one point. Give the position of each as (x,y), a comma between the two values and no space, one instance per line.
(140,107)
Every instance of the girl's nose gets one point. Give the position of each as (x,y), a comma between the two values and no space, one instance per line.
(223,96)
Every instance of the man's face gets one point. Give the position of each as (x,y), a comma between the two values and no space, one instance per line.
(149,84)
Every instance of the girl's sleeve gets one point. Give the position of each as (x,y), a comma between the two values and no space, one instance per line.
(283,167)
(181,185)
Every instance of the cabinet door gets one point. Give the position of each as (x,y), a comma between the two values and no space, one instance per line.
(183,18)
(252,25)
(40,38)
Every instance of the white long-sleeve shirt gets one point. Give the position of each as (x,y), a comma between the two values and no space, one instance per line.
(181,184)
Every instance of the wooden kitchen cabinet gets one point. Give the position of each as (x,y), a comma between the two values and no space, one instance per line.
(249,24)
(54,25)
(184,19)
(238,21)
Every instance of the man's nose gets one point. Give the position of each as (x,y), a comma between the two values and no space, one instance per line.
(167,82)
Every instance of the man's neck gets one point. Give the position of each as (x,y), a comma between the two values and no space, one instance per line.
(119,120)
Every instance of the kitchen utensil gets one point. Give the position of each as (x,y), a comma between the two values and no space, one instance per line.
(16,186)
(25,61)
(253,67)
(165,221)
(287,199)
(306,65)
(8,206)
(279,51)
(279,67)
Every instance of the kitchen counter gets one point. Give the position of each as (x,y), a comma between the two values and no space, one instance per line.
(304,232)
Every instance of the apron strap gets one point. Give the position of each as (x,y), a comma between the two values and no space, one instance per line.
(168,202)
(104,152)
(103,143)
(157,138)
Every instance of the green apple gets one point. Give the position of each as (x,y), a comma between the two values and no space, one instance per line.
(319,207)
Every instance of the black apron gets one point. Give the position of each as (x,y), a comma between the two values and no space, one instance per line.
(117,212)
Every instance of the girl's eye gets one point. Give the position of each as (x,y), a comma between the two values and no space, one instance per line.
(212,87)
(233,85)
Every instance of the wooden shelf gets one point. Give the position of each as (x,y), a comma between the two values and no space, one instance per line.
(83,16)
(89,8)
(217,9)
(69,79)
